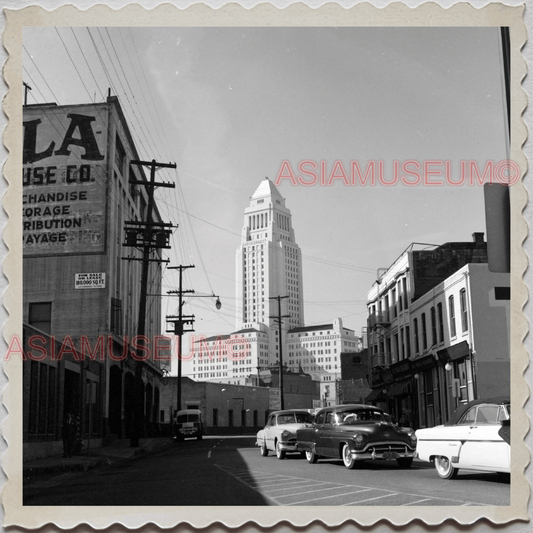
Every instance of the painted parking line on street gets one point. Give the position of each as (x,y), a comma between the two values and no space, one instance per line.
(306,486)
(329,497)
(291,490)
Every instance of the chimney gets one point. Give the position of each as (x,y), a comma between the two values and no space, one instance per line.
(478,237)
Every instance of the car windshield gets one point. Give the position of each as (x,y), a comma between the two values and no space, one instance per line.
(362,415)
(187,418)
(292,418)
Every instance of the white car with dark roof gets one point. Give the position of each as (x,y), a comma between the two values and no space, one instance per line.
(477,437)
(279,434)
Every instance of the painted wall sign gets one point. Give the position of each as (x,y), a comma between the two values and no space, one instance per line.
(64,179)
(89,280)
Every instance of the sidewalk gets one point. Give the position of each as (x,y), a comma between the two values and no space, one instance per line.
(119,450)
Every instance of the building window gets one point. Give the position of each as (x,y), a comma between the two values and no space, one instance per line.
(415,333)
(256,421)
(243,417)
(120,155)
(464,312)
(451,305)
(215,417)
(116,316)
(230,418)
(404,291)
(441,322)
(433,327)
(502,293)
(40,316)
(424,332)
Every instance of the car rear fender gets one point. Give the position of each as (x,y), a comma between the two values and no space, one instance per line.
(428,450)
(260,439)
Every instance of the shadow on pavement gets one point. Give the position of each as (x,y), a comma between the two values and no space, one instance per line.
(185,473)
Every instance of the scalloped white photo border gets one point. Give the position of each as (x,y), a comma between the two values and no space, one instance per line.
(363,14)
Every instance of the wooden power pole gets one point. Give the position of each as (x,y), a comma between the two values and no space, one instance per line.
(179,322)
(148,236)
(278,318)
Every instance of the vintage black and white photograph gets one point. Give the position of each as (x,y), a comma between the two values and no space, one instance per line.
(268,265)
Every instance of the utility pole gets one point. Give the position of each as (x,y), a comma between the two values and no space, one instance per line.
(147,235)
(179,322)
(278,319)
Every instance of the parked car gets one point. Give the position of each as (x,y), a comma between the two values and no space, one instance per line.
(477,437)
(279,434)
(355,433)
(189,423)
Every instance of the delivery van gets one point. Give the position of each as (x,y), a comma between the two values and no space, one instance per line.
(189,424)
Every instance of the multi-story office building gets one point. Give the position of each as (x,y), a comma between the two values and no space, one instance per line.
(268,263)
(463,353)
(429,314)
(317,351)
(77,196)
(211,358)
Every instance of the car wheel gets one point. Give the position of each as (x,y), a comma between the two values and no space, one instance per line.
(347,458)
(199,437)
(279,452)
(311,457)
(264,450)
(404,462)
(444,467)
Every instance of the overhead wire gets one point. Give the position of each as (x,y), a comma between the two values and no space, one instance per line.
(170,201)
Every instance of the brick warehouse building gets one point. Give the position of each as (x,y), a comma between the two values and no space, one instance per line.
(232,409)
(77,197)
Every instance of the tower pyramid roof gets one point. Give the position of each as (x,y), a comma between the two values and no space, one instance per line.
(266,188)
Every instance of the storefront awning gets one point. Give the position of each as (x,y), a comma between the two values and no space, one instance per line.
(373,395)
(397,389)
(423,363)
(457,351)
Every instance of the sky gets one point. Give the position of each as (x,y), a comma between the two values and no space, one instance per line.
(230,105)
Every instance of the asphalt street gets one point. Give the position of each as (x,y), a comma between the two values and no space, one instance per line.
(231,471)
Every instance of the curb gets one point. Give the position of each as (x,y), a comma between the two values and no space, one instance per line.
(29,471)
(85,464)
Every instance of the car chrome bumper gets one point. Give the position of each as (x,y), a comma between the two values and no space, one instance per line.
(382,455)
(288,446)
(188,433)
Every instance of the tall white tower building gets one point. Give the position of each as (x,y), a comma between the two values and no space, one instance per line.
(268,263)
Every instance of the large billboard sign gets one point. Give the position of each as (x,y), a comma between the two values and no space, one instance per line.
(64,185)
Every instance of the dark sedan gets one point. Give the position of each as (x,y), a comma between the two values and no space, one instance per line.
(355,433)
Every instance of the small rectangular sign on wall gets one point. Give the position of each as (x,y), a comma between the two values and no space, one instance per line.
(90,280)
